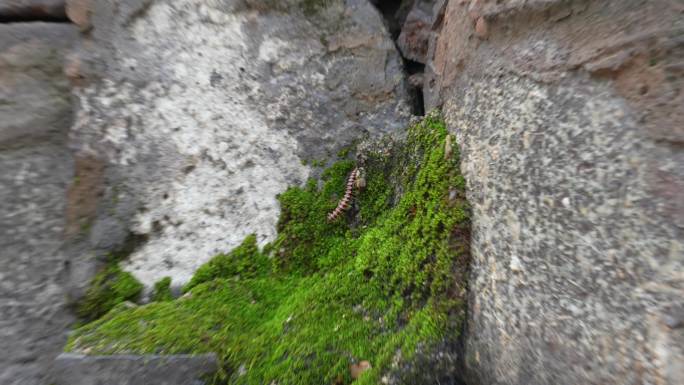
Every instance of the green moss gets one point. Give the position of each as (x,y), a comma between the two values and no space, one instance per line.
(245,261)
(311,7)
(108,288)
(162,290)
(317,163)
(306,240)
(344,152)
(387,278)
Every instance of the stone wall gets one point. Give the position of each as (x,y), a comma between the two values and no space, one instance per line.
(36,170)
(569,115)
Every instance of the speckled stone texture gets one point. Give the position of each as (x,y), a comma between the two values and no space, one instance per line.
(569,115)
(36,168)
(203,111)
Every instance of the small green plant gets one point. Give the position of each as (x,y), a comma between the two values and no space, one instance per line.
(344,152)
(162,290)
(310,7)
(317,163)
(110,287)
(245,261)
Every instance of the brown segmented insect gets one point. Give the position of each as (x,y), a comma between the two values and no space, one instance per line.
(343,204)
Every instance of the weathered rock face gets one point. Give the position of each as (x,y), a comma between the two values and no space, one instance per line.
(203,111)
(36,168)
(419,28)
(569,116)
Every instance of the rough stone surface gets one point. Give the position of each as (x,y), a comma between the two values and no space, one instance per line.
(76,369)
(419,26)
(203,111)
(14,10)
(34,95)
(36,168)
(569,117)
(79,12)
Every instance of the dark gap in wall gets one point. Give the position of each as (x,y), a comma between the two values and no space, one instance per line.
(418,102)
(415,70)
(36,13)
(393,19)
(413,67)
(394,12)
(12,18)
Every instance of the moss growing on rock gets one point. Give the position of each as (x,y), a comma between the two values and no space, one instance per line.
(306,240)
(381,284)
(109,287)
(245,261)
(162,290)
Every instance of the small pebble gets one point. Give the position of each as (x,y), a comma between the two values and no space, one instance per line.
(515,264)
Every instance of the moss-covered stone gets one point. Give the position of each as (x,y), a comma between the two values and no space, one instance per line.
(110,287)
(384,281)
(245,261)
(162,290)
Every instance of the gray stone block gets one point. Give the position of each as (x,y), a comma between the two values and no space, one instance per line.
(76,369)
(35,100)
(36,169)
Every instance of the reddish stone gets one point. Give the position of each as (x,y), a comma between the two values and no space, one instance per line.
(482,28)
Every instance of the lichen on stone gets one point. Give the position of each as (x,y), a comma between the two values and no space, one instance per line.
(384,284)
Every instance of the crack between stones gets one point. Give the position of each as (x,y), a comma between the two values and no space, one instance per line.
(15,19)
(412,69)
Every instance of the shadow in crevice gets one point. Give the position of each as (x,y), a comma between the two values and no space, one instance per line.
(30,16)
(394,13)
(414,71)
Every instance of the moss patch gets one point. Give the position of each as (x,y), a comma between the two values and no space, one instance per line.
(245,261)
(384,281)
(162,290)
(110,287)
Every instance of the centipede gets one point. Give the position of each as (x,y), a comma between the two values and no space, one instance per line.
(343,204)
